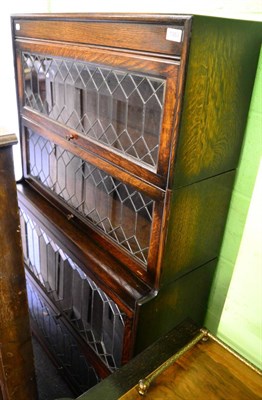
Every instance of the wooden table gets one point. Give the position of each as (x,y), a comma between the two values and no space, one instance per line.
(208,370)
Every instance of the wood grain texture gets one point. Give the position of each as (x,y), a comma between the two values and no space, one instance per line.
(196,225)
(108,57)
(16,355)
(125,35)
(184,298)
(221,69)
(206,371)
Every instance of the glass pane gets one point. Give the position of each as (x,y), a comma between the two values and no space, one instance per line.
(119,210)
(95,316)
(123,110)
(61,344)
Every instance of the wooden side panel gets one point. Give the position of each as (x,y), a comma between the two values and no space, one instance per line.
(184,298)
(221,70)
(196,225)
(16,358)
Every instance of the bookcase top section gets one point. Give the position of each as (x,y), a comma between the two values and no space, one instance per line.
(147,33)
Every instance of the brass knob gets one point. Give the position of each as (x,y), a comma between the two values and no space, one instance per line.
(70,137)
(143,386)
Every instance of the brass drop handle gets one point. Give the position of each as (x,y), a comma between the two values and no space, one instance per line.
(144,384)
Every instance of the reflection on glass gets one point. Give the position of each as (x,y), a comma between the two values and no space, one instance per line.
(120,109)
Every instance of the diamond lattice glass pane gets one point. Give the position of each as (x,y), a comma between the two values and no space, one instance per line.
(95,316)
(120,109)
(123,213)
(61,343)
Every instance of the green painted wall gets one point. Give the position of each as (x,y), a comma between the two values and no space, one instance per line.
(238,320)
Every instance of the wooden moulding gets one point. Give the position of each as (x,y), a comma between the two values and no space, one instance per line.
(124,32)
(6,138)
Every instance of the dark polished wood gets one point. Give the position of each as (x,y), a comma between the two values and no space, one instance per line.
(185,297)
(220,78)
(195,226)
(17,376)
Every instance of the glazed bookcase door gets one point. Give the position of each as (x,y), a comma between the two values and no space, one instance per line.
(119,106)
(124,215)
(120,109)
(62,347)
(61,290)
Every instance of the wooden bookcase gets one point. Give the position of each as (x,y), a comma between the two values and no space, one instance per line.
(131,129)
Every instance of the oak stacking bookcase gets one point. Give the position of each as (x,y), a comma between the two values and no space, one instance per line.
(131,128)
